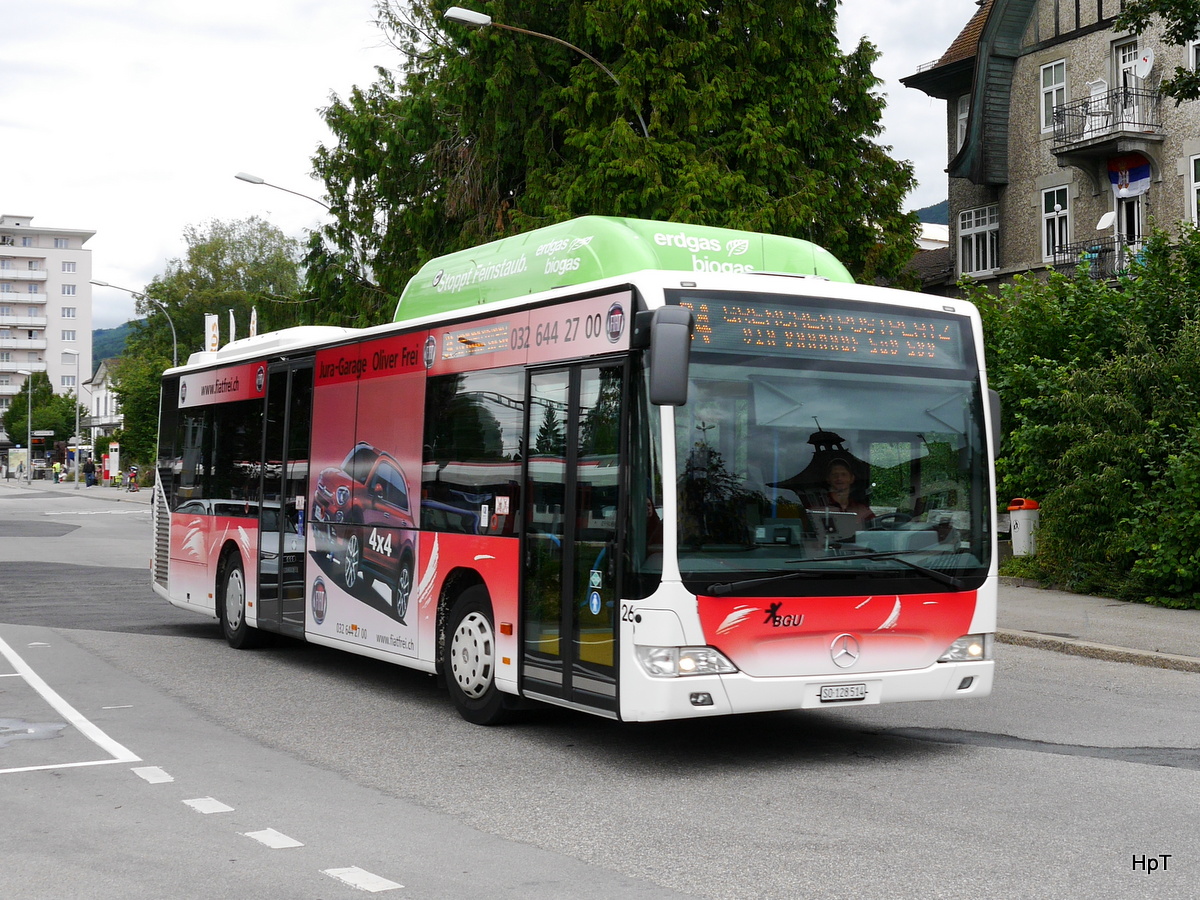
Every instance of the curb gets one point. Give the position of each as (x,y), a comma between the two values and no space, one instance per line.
(1098,651)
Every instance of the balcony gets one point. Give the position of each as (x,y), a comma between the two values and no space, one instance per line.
(1103,125)
(9,367)
(22,344)
(1101,259)
(23,274)
(24,321)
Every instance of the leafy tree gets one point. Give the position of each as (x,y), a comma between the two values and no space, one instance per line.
(1181,25)
(240,265)
(1101,390)
(51,412)
(756,120)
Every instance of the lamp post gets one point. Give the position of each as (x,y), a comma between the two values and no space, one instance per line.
(29,433)
(141,295)
(78,467)
(482,20)
(254,179)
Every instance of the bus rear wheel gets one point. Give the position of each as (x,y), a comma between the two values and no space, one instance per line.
(469,659)
(232,599)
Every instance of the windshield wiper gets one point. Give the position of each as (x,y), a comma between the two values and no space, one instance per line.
(721,589)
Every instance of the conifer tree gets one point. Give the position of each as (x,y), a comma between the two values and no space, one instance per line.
(755,120)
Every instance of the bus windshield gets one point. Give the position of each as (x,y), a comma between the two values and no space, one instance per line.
(815,454)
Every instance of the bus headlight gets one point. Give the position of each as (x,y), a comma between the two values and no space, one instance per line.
(969,648)
(671,662)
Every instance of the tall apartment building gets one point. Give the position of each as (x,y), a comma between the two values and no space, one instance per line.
(45,306)
(1061,149)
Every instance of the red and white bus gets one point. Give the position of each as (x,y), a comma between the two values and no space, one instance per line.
(639,469)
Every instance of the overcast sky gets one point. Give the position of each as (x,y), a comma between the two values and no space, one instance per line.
(131,117)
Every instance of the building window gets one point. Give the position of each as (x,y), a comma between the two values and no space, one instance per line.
(1054,91)
(979,240)
(964,112)
(68,312)
(26,242)
(61,244)
(1194,193)
(5,356)
(68,290)
(1056,221)
(6,288)
(68,381)
(68,335)
(32,288)
(1193,55)
(6,264)
(68,266)
(34,266)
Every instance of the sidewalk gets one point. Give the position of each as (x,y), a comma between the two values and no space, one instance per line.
(99,492)
(1098,627)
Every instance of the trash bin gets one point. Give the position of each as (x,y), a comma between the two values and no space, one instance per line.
(1023,521)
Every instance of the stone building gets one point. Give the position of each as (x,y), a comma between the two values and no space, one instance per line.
(1061,149)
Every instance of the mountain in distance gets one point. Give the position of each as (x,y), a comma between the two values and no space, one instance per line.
(938,214)
(109,343)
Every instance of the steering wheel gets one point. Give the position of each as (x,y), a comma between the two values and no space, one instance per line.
(888,521)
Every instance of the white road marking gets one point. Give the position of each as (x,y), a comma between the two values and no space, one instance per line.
(362,879)
(208,805)
(118,753)
(100,512)
(273,839)
(152,774)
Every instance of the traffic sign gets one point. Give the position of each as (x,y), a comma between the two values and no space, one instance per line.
(43,434)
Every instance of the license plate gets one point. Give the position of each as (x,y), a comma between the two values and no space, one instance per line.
(840,693)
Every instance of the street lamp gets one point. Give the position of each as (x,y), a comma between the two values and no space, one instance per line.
(360,259)
(254,179)
(29,434)
(78,450)
(482,20)
(141,295)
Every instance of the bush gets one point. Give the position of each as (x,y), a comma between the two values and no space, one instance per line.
(1101,389)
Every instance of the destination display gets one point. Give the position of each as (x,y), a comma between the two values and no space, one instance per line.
(764,325)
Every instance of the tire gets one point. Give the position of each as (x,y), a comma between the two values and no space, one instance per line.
(232,599)
(469,660)
(403,588)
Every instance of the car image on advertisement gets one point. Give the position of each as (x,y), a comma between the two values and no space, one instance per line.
(362,517)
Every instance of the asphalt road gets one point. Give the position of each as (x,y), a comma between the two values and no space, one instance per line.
(1071,780)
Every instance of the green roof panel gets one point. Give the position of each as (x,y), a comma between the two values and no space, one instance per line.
(591,248)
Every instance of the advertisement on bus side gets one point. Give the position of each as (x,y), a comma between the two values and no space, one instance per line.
(364,495)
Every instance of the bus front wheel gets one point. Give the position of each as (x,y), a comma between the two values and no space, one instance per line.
(470,660)
(232,599)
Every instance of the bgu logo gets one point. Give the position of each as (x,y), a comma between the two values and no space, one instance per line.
(775,620)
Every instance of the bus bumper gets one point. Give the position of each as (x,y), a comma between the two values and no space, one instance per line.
(652,699)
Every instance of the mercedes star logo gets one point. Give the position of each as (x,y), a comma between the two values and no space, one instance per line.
(845,651)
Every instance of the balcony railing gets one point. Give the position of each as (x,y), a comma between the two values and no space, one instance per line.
(23,275)
(1102,258)
(1118,111)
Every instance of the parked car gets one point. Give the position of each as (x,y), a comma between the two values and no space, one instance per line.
(362,516)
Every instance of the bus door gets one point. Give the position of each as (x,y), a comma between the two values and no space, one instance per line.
(570,546)
(282,513)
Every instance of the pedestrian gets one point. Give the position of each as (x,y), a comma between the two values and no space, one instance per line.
(57,467)
(89,472)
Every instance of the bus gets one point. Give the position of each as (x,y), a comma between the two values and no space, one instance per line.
(639,469)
